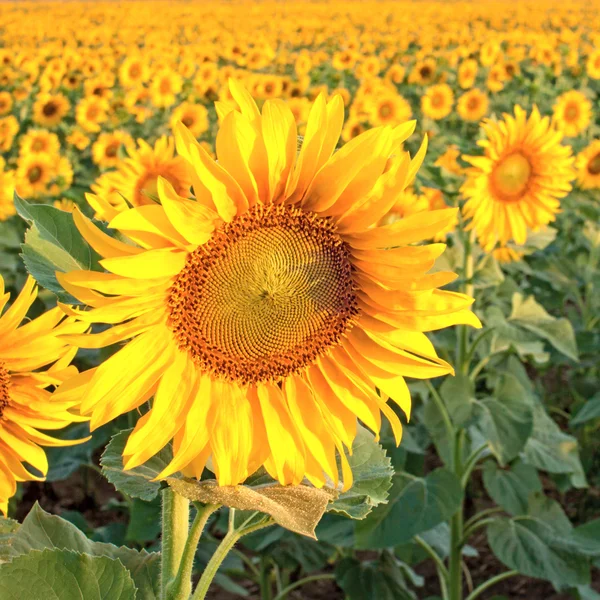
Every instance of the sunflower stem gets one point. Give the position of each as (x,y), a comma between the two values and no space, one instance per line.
(456,528)
(228,542)
(180,588)
(175,526)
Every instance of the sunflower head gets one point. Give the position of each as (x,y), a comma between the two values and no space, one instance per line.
(588,166)
(518,182)
(264,312)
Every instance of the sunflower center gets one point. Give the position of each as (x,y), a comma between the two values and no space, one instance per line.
(511,177)
(49,109)
(594,165)
(265,296)
(38,145)
(112,149)
(385,110)
(437,100)
(473,103)
(572,112)
(188,120)
(34,174)
(4,386)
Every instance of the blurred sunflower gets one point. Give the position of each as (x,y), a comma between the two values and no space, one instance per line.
(467,72)
(165,87)
(39,141)
(448,160)
(473,105)
(438,101)
(518,181)
(7,190)
(133,71)
(34,175)
(136,179)
(50,109)
(9,127)
(423,73)
(105,150)
(265,312)
(26,405)
(588,166)
(593,64)
(91,112)
(572,113)
(193,116)
(6,103)
(389,109)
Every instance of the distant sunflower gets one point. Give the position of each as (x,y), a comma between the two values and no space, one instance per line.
(91,112)
(424,72)
(516,185)
(26,405)
(263,314)
(7,190)
(572,113)
(105,150)
(34,174)
(165,87)
(438,101)
(136,179)
(588,166)
(39,141)
(593,64)
(473,105)
(390,109)
(193,116)
(50,109)
(467,72)
(9,127)
(133,71)
(6,103)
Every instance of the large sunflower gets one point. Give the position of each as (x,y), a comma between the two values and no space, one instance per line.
(26,405)
(263,314)
(519,180)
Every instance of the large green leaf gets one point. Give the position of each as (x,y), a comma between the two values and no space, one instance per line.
(372,472)
(510,488)
(415,505)
(65,575)
(53,243)
(506,419)
(41,530)
(138,482)
(8,527)
(533,548)
(458,393)
(532,316)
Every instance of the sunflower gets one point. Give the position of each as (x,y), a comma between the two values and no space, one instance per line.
(423,73)
(165,86)
(105,150)
(389,109)
(193,116)
(473,105)
(572,113)
(26,405)
(65,205)
(133,71)
(7,190)
(448,160)
(437,101)
(91,111)
(135,181)
(34,174)
(496,78)
(593,64)
(6,103)
(263,314)
(353,127)
(395,74)
(467,72)
(50,109)
(78,139)
(9,127)
(39,141)
(518,182)
(588,166)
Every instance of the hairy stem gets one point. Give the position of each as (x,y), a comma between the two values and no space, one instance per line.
(175,526)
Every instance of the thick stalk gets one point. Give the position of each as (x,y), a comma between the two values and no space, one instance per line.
(180,588)
(175,526)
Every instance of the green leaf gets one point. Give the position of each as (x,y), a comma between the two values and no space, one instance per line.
(144,521)
(458,393)
(506,420)
(138,482)
(510,488)
(372,472)
(53,243)
(65,575)
(41,530)
(534,549)
(415,505)
(8,527)
(590,410)
(532,316)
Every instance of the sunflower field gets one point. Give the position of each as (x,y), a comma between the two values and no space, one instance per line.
(300,300)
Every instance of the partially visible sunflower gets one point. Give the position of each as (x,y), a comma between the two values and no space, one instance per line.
(165,86)
(467,72)
(572,113)
(448,160)
(518,182)
(136,179)
(588,166)
(34,175)
(105,150)
(7,190)
(193,116)
(133,71)
(593,64)
(91,112)
(50,109)
(389,109)
(9,127)
(424,72)
(26,404)
(438,101)
(263,314)
(473,105)
(78,139)
(39,141)
(6,103)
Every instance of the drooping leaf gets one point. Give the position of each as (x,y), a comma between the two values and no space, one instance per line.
(65,575)
(415,505)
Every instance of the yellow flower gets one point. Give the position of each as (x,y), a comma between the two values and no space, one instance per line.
(91,112)
(588,166)
(105,150)
(50,109)
(26,406)
(496,78)
(39,141)
(65,205)
(448,160)
(136,179)
(7,190)
(6,103)
(437,101)
(133,71)
(34,175)
(593,64)
(423,73)
(344,60)
(193,116)
(352,128)
(518,182)
(572,113)
(78,139)
(165,86)
(264,313)
(467,72)
(389,109)
(9,126)
(473,105)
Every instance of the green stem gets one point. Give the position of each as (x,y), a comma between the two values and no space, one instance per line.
(175,526)
(479,367)
(470,464)
(456,528)
(469,531)
(265,580)
(482,515)
(283,594)
(482,336)
(439,563)
(228,542)
(490,582)
(441,405)
(180,588)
